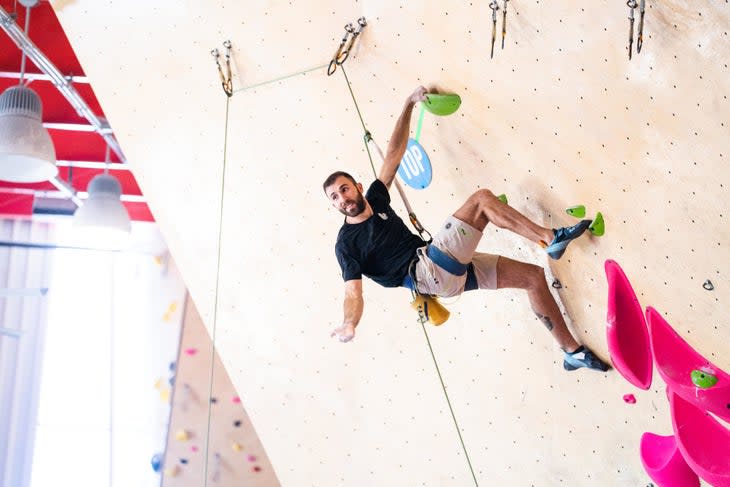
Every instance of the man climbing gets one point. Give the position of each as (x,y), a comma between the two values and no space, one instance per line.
(373,241)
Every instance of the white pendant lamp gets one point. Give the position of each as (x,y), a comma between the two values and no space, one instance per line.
(103,209)
(26,150)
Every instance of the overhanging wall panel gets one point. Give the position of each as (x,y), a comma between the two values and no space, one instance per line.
(560,117)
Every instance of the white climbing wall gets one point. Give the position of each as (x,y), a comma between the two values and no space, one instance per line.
(559,117)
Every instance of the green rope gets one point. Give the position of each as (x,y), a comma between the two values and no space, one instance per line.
(250,87)
(217,285)
(367,132)
(453,415)
(425,333)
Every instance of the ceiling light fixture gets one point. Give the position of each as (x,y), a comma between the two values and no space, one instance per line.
(27,154)
(103,210)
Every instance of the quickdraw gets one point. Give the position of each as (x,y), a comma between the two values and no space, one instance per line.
(504,22)
(345,47)
(227,79)
(632,4)
(494,6)
(640,38)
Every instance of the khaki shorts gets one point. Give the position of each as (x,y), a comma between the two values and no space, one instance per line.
(459,240)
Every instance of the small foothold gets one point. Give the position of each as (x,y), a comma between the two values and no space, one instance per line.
(213,400)
(237,446)
(629,399)
(171,367)
(237,423)
(156,462)
(557,284)
(256,468)
(182,435)
(171,472)
(191,351)
(708,285)
(502,198)
(193,448)
(598,227)
(704,379)
(236,400)
(184,461)
(252,458)
(578,211)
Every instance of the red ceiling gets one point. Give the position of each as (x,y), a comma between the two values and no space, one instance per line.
(46,32)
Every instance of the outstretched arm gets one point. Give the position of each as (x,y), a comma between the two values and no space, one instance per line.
(353,306)
(399,138)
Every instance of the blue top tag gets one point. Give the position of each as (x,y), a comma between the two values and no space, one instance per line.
(415,166)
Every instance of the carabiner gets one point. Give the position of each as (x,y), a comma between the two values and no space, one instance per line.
(342,55)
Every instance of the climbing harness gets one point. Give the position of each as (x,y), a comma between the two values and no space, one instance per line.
(345,47)
(632,5)
(494,6)
(227,79)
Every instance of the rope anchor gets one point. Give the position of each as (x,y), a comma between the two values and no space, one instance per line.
(345,47)
(226,79)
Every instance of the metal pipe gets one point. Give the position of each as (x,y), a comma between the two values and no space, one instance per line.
(42,77)
(113,166)
(24,43)
(65,190)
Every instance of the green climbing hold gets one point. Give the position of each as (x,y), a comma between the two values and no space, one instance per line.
(598,227)
(703,379)
(442,104)
(502,198)
(578,211)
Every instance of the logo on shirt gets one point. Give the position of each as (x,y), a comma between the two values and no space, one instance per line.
(384,216)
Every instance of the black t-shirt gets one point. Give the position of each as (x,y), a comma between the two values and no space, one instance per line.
(381,247)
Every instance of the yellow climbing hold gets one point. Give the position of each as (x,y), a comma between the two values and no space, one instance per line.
(182,435)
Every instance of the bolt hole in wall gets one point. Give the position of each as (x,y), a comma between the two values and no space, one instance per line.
(113,332)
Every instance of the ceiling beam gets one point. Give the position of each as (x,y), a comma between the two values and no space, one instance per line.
(113,166)
(21,39)
(42,77)
(76,127)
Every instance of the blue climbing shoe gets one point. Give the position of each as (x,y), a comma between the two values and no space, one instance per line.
(563,236)
(583,357)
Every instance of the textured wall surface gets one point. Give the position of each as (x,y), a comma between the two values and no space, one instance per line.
(235,454)
(559,117)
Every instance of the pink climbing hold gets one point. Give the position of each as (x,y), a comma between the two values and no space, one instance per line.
(626,330)
(191,351)
(676,359)
(236,400)
(629,399)
(252,458)
(664,463)
(193,448)
(703,441)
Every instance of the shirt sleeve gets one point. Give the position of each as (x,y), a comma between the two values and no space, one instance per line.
(351,268)
(378,192)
